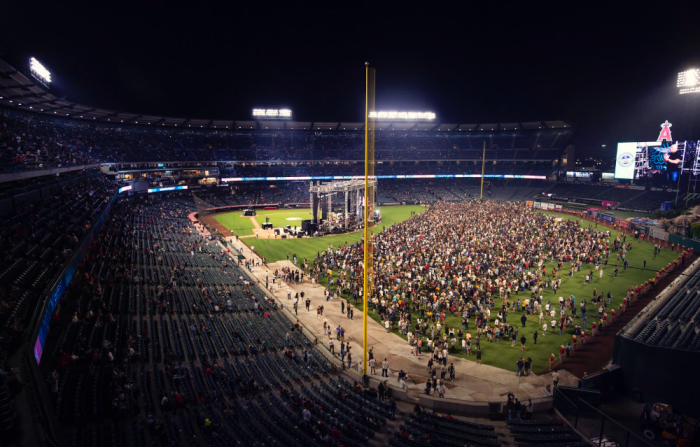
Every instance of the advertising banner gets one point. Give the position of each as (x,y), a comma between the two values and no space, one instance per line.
(606,218)
(538,205)
(622,223)
(609,204)
(529,203)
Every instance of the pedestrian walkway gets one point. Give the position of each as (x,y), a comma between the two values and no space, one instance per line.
(473,382)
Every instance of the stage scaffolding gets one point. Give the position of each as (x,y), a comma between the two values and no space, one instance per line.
(351,193)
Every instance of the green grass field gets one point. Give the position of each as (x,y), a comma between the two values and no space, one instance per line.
(242,226)
(277,249)
(502,355)
(280,218)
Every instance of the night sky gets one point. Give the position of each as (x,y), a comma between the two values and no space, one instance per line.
(608,69)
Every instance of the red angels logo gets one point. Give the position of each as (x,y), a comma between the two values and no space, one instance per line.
(665,133)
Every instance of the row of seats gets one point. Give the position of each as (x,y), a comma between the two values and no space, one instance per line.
(430,428)
(31,142)
(168,339)
(543,432)
(628,199)
(674,322)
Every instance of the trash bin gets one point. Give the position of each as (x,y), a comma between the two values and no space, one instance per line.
(365,380)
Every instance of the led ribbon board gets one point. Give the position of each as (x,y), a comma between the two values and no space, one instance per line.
(361,177)
(167,188)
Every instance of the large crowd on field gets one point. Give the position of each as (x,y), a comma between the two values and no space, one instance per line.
(462,259)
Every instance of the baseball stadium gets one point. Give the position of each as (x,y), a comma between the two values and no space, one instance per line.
(398,276)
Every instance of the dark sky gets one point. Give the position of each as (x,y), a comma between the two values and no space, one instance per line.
(608,69)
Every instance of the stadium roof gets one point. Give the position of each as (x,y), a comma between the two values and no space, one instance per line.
(20,92)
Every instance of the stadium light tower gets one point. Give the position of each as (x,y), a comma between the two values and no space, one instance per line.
(39,72)
(689,81)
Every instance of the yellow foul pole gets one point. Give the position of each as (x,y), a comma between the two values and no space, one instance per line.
(483,166)
(365,273)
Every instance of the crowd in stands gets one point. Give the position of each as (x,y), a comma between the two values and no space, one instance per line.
(387,192)
(27,143)
(163,330)
(36,239)
(34,142)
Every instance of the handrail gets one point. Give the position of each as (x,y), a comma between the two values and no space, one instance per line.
(581,402)
(630,432)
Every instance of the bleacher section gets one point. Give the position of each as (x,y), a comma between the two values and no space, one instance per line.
(530,433)
(35,240)
(160,312)
(31,141)
(639,200)
(674,322)
(429,428)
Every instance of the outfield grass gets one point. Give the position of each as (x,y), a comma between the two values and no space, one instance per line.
(504,356)
(241,225)
(280,218)
(277,249)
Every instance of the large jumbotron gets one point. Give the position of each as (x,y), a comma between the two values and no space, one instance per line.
(179,281)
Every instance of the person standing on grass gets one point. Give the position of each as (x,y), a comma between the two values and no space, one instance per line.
(523,320)
(562,351)
(522,342)
(534,336)
(478,356)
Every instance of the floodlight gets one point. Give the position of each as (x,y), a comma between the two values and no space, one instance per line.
(689,81)
(272,113)
(402,116)
(39,71)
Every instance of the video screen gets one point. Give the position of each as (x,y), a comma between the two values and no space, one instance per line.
(646,159)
